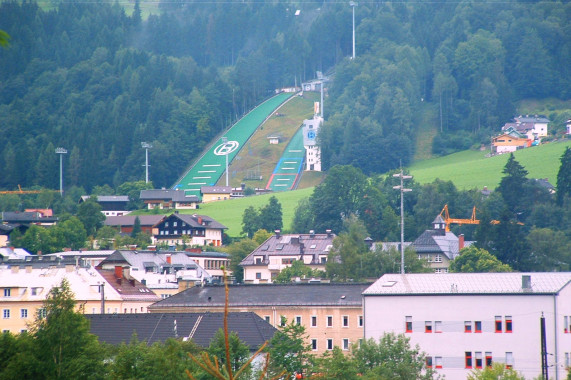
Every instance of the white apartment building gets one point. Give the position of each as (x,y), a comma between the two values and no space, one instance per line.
(465,321)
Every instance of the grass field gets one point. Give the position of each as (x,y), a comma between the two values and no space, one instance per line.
(471,169)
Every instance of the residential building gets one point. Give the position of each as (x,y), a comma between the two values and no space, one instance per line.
(180,229)
(88,257)
(212,262)
(200,327)
(23,220)
(467,321)
(215,193)
(125,223)
(169,199)
(111,205)
(5,231)
(161,271)
(280,251)
(568,127)
(510,142)
(533,127)
(332,314)
(438,246)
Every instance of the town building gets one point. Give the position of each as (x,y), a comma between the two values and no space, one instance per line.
(215,193)
(212,262)
(165,199)
(280,251)
(510,141)
(533,127)
(332,314)
(111,205)
(191,230)
(467,321)
(124,224)
(312,150)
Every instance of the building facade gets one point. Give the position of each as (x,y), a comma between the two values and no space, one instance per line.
(180,229)
(467,321)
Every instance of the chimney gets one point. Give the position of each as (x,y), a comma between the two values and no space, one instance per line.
(200,220)
(169,258)
(460,242)
(278,233)
(295,240)
(127,273)
(118,272)
(15,269)
(526,282)
(301,249)
(312,233)
(328,233)
(39,253)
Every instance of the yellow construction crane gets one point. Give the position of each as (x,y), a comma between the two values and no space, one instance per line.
(448,220)
(20,191)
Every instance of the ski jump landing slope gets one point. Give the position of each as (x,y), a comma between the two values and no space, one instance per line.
(210,167)
(289,166)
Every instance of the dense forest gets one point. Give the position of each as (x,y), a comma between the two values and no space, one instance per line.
(97,81)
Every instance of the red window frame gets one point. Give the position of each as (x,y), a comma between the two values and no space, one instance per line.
(478,326)
(478,360)
(408,324)
(428,362)
(498,324)
(428,327)
(438,360)
(509,324)
(489,361)
(468,327)
(468,360)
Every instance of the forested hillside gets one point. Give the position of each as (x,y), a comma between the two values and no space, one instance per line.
(87,77)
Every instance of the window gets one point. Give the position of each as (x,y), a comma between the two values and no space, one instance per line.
(428,362)
(438,258)
(408,325)
(6,314)
(329,344)
(314,344)
(488,359)
(438,361)
(467,326)
(166,224)
(23,313)
(314,321)
(428,326)
(438,326)
(298,320)
(478,359)
(567,359)
(329,321)
(478,326)
(345,321)
(498,324)
(565,324)
(258,275)
(509,324)
(509,360)
(468,360)
(345,344)
(283,320)
(7,292)
(267,318)
(360,321)
(34,291)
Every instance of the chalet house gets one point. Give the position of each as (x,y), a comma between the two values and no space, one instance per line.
(510,141)
(215,193)
(111,205)
(125,223)
(438,246)
(533,127)
(23,220)
(159,271)
(332,314)
(200,327)
(280,251)
(180,229)
(169,199)
(467,321)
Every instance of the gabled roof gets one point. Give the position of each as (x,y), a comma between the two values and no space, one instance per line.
(138,259)
(321,294)
(200,327)
(198,221)
(129,220)
(108,198)
(468,283)
(168,195)
(26,217)
(216,189)
(128,289)
(292,245)
(432,241)
(532,119)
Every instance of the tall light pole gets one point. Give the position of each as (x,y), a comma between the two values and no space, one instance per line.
(225,141)
(402,191)
(146,146)
(61,152)
(353,5)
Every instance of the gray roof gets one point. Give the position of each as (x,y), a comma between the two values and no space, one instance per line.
(26,217)
(142,259)
(216,189)
(168,195)
(108,198)
(531,119)
(320,294)
(432,241)
(288,245)
(129,220)
(198,221)
(200,327)
(468,283)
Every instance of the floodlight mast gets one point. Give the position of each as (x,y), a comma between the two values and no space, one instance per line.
(61,152)
(402,191)
(146,146)
(353,4)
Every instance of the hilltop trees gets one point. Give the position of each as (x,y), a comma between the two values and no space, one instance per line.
(564,177)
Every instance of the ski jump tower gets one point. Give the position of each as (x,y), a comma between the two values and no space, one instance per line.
(310,131)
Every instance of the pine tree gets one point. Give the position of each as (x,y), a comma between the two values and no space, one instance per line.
(564,177)
(512,183)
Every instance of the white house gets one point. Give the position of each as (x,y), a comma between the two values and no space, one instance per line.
(312,151)
(464,321)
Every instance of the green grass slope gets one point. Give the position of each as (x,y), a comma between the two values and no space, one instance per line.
(471,169)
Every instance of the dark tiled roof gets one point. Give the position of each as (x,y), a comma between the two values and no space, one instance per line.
(26,217)
(433,241)
(168,195)
(194,221)
(288,245)
(6,228)
(129,220)
(118,328)
(337,294)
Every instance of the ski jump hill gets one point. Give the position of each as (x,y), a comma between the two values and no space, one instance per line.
(208,169)
(288,169)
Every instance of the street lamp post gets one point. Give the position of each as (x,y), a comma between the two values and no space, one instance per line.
(225,141)
(146,146)
(353,5)
(61,152)
(402,191)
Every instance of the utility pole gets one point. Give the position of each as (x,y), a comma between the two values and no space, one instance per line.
(544,368)
(61,152)
(353,5)
(102,291)
(402,191)
(146,147)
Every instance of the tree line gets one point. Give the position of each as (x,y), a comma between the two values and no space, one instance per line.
(92,79)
